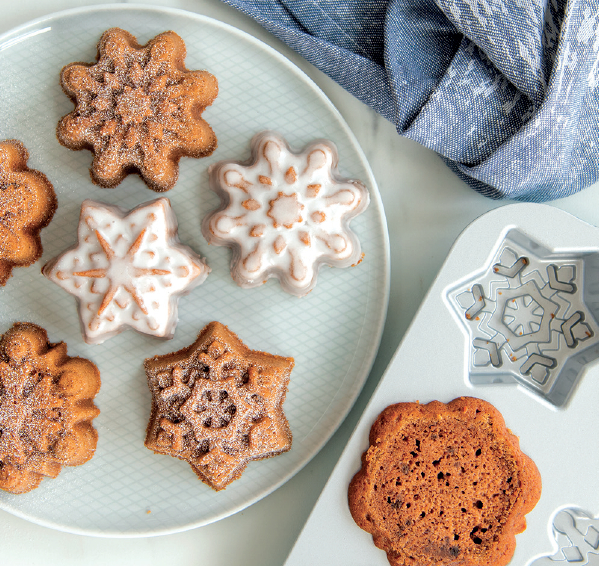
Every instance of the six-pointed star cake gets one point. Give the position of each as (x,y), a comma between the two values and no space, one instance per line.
(218,405)
(138,109)
(127,269)
(285,214)
(27,204)
(46,408)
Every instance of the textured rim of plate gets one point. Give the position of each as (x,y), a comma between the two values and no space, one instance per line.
(22,33)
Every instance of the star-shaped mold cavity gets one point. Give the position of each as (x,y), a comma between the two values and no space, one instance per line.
(218,405)
(285,214)
(46,408)
(27,204)
(127,269)
(531,317)
(138,109)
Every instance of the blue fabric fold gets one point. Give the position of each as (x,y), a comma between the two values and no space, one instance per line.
(506,91)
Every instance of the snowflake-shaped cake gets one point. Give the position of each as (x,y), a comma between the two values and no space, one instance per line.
(285,214)
(27,204)
(46,408)
(218,405)
(127,269)
(138,109)
(527,319)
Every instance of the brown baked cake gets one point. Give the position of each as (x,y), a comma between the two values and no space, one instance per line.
(218,405)
(444,484)
(138,109)
(46,408)
(27,204)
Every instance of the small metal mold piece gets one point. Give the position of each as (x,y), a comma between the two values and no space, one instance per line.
(479,302)
(513,270)
(531,317)
(577,536)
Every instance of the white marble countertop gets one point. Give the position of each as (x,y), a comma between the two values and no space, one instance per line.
(426,205)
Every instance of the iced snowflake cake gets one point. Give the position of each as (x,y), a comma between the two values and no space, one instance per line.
(127,269)
(285,214)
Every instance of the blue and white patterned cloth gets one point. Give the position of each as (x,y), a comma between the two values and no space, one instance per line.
(506,91)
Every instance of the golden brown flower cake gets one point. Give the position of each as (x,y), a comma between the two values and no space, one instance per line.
(128,269)
(285,214)
(27,204)
(444,485)
(138,109)
(46,408)
(218,405)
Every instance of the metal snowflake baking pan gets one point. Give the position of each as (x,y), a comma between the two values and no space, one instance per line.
(512,318)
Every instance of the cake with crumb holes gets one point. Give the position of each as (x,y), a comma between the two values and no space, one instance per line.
(46,408)
(138,109)
(444,484)
(218,405)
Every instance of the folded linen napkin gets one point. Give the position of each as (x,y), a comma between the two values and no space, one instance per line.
(506,91)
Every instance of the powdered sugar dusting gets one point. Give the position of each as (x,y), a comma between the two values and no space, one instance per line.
(138,109)
(27,204)
(218,405)
(45,408)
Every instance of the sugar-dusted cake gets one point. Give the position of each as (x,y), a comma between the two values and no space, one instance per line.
(444,484)
(27,204)
(285,214)
(138,109)
(218,405)
(46,408)
(128,269)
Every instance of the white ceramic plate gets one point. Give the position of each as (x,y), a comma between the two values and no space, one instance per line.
(544,384)
(333,333)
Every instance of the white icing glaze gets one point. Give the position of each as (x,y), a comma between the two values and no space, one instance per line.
(284,213)
(127,269)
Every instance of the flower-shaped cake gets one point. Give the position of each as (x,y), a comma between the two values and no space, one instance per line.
(138,109)
(285,214)
(444,484)
(46,408)
(218,405)
(127,269)
(27,204)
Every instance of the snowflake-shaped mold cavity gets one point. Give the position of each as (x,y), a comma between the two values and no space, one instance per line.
(127,269)
(576,535)
(285,214)
(27,204)
(531,317)
(218,405)
(138,109)
(46,408)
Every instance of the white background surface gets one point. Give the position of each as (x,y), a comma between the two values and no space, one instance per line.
(426,207)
